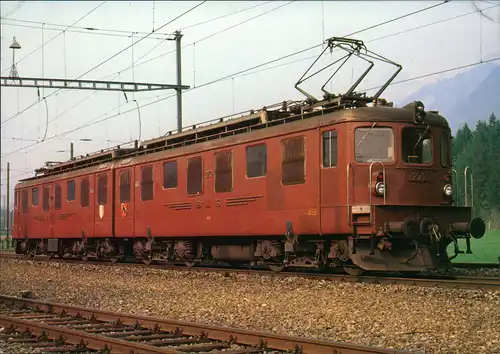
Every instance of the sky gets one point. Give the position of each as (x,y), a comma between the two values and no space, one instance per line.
(220,38)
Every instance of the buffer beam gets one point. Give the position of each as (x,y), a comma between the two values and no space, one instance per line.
(87,84)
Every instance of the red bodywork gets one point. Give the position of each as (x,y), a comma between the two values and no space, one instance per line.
(321,207)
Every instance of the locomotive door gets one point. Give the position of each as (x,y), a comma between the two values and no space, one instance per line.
(124,203)
(333,160)
(103,202)
(56,213)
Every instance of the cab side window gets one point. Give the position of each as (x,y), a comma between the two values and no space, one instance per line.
(330,148)
(445,149)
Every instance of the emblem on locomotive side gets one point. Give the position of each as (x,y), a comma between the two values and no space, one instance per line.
(123,208)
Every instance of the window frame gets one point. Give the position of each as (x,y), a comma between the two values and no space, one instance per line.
(165,175)
(445,138)
(34,192)
(68,183)
(121,186)
(282,162)
(430,136)
(330,148)
(394,149)
(202,185)
(247,160)
(143,168)
(220,154)
(82,191)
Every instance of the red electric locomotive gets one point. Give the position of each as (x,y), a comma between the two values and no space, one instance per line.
(315,184)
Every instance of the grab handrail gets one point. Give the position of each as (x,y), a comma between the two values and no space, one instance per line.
(466,194)
(370,182)
(455,183)
(348,194)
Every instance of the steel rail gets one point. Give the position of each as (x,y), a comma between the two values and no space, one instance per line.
(443,281)
(253,339)
(75,337)
(476,265)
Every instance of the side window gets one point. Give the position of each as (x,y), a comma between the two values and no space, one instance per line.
(102,189)
(24,200)
(45,198)
(71,190)
(256,160)
(293,161)
(223,171)
(170,174)
(124,186)
(195,176)
(330,148)
(445,154)
(34,196)
(16,199)
(147,183)
(84,192)
(57,197)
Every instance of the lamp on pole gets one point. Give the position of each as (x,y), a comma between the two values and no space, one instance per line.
(13,70)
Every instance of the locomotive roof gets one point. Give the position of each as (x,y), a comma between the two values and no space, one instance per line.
(296,115)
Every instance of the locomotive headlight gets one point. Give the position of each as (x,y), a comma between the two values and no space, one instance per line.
(447,190)
(380,188)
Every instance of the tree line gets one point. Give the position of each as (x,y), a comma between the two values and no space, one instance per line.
(479,148)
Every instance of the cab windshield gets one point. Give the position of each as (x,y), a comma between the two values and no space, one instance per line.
(416,145)
(374,144)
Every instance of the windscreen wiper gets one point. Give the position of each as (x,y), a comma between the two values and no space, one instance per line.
(421,137)
(364,136)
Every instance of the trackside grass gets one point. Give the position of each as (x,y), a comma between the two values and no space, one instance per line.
(484,250)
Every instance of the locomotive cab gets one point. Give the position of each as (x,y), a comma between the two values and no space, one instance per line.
(400,191)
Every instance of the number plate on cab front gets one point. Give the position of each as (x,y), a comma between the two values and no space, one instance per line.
(420,176)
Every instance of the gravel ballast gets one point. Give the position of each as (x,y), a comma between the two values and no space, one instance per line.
(432,320)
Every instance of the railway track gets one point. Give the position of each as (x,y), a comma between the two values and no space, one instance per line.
(52,327)
(443,281)
(477,265)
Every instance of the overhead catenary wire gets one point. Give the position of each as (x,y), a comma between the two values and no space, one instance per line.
(224,78)
(50,40)
(304,50)
(141,39)
(211,35)
(117,32)
(89,31)
(135,63)
(108,59)
(278,59)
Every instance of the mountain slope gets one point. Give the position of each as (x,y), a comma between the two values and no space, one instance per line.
(464,98)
